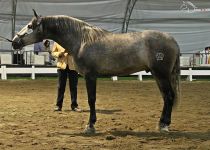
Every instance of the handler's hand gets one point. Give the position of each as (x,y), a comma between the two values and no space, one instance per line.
(65,54)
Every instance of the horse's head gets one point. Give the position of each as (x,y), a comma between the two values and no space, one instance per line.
(31,33)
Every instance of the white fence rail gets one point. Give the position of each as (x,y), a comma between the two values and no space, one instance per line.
(4,71)
(190,73)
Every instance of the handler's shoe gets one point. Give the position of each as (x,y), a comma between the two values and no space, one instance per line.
(77,109)
(57,108)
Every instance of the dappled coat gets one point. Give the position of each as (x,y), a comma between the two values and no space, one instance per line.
(62,60)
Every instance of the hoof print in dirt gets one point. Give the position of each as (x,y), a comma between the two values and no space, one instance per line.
(110,137)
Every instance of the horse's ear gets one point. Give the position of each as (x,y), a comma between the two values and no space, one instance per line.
(35,14)
(39,19)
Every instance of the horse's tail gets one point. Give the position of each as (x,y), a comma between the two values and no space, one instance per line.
(175,79)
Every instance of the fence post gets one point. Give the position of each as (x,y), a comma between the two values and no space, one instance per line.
(140,76)
(33,73)
(4,73)
(190,76)
(114,78)
(1,72)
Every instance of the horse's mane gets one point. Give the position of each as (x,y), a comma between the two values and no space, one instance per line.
(65,24)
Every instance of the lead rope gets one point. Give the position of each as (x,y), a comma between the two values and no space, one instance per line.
(6,39)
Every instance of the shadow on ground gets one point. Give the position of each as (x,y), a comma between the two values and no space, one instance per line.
(101,111)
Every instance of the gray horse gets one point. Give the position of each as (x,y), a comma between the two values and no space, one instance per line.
(98,52)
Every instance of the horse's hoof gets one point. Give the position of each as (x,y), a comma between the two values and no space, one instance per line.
(163,128)
(89,130)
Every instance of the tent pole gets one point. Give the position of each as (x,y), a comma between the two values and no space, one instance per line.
(128,12)
(14,6)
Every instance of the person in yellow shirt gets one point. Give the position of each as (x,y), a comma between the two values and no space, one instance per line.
(66,69)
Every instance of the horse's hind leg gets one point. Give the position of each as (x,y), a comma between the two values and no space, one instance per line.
(168,94)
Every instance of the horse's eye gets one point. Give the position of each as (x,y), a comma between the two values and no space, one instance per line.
(30,26)
(29,31)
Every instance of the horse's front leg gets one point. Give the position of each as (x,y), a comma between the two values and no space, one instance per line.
(91,91)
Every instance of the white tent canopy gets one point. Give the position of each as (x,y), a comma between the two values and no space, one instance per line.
(187,21)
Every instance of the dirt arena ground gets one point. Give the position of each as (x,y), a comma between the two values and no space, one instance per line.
(127,111)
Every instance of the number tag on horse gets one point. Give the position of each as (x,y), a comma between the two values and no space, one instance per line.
(159,56)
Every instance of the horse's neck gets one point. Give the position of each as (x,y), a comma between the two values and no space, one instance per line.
(71,33)
(61,33)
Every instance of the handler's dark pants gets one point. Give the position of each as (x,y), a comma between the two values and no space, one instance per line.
(73,80)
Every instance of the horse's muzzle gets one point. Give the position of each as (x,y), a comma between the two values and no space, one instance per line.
(17,43)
